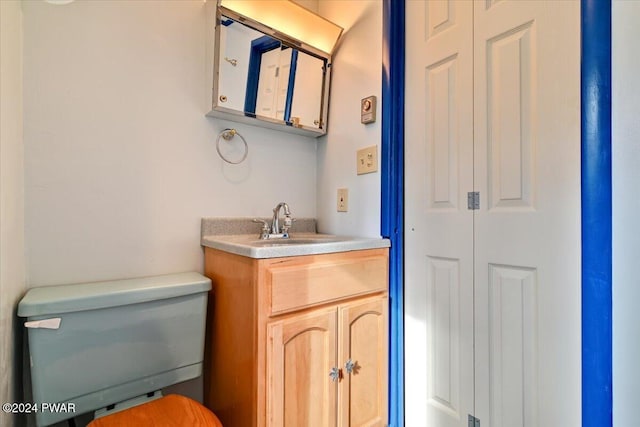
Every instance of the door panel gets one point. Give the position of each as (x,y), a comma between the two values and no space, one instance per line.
(440,84)
(273,83)
(268,83)
(443,328)
(307,92)
(512,346)
(284,69)
(510,102)
(527,230)
(364,341)
(439,173)
(302,353)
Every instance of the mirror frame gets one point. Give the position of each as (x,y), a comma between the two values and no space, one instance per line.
(219,111)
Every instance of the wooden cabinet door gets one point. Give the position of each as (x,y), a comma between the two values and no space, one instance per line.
(302,353)
(363,341)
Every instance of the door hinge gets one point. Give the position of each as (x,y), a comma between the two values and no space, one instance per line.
(473,421)
(473,200)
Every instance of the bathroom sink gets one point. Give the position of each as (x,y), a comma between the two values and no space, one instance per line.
(251,246)
(320,238)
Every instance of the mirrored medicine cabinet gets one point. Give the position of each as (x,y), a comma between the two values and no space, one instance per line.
(272,65)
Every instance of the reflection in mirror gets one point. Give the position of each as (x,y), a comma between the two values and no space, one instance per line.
(262,80)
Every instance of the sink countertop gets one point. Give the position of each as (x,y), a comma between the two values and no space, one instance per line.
(305,243)
(211,226)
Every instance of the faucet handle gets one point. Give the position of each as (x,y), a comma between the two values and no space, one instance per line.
(264,234)
(287,222)
(265,224)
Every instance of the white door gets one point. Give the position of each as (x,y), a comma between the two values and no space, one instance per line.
(527,230)
(307,90)
(284,69)
(268,83)
(439,228)
(273,83)
(525,259)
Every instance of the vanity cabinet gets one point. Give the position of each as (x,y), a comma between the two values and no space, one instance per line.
(298,341)
(327,360)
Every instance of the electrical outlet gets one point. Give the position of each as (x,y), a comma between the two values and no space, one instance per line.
(343,199)
(367,160)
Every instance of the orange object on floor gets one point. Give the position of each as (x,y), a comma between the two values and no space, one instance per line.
(169,411)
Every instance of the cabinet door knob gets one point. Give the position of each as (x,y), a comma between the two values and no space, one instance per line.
(350,366)
(334,374)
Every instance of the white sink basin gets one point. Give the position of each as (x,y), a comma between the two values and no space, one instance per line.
(318,238)
(251,246)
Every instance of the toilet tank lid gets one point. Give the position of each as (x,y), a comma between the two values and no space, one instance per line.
(49,300)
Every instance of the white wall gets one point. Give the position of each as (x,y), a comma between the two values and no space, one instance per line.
(12,283)
(236,39)
(626,206)
(357,73)
(120,160)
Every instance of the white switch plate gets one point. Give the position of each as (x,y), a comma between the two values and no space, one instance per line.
(343,199)
(367,160)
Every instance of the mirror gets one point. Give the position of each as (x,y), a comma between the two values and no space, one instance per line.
(262,77)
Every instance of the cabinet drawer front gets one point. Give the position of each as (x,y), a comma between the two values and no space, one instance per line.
(300,286)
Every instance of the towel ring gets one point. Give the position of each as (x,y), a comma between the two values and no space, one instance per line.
(228,135)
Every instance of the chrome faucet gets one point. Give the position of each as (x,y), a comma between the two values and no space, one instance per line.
(275,230)
(275,222)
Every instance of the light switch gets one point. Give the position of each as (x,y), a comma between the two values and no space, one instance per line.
(367,160)
(343,199)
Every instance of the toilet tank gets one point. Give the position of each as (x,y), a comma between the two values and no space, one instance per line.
(115,340)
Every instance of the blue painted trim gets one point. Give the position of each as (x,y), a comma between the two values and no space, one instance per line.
(258,47)
(392,197)
(597,397)
(291,85)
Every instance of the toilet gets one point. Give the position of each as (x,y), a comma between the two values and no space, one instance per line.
(110,347)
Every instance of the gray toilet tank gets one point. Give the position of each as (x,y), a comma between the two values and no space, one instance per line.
(116,340)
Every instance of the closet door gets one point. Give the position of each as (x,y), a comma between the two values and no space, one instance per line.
(492,295)
(527,230)
(439,227)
